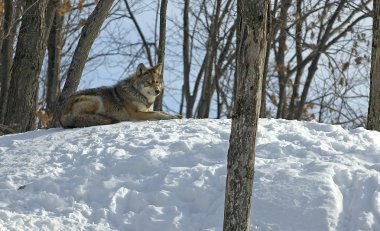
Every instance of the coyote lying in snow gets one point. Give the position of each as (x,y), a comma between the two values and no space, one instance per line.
(129,100)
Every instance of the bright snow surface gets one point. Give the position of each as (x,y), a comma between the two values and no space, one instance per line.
(170,175)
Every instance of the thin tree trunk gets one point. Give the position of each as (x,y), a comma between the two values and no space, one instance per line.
(373,122)
(182,101)
(252,42)
(26,67)
(161,51)
(271,16)
(280,58)
(186,61)
(296,84)
(88,35)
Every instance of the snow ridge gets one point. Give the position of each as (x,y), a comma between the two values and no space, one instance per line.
(170,175)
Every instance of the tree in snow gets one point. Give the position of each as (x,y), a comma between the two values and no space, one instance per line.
(20,103)
(252,40)
(373,122)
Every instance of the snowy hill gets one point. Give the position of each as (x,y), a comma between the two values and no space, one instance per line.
(170,175)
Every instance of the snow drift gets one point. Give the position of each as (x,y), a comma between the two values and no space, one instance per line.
(170,175)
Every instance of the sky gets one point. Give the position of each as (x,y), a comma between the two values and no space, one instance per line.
(170,175)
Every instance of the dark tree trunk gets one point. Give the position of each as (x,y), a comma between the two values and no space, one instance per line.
(26,67)
(6,56)
(373,122)
(186,62)
(299,58)
(161,50)
(271,16)
(280,58)
(54,60)
(252,42)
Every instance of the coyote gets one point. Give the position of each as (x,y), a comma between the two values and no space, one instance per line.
(129,100)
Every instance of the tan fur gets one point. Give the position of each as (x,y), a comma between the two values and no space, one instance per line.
(44,117)
(128,100)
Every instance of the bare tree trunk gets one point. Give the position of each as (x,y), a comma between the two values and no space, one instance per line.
(373,121)
(271,16)
(26,67)
(280,58)
(88,35)
(54,60)
(161,51)
(252,42)
(2,16)
(186,62)
(6,56)
(298,38)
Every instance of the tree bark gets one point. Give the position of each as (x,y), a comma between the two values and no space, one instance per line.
(190,99)
(373,120)
(252,42)
(280,58)
(54,60)
(26,68)
(299,58)
(271,16)
(161,51)
(6,56)
(88,35)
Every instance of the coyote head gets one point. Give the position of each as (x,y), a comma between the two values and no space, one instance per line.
(149,80)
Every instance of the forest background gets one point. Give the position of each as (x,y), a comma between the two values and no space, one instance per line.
(317,68)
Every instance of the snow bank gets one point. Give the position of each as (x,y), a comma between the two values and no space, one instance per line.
(170,175)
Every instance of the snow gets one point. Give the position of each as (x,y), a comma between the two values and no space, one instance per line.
(170,175)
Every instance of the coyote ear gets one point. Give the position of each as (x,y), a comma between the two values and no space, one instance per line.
(140,69)
(158,68)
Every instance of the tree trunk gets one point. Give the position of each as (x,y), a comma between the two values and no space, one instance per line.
(280,58)
(54,60)
(299,58)
(88,35)
(161,51)
(26,68)
(271,16)
(252,30)
(6,56)
(373,121)
(186,61)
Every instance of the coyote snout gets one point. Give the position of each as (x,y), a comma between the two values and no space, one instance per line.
(128,100)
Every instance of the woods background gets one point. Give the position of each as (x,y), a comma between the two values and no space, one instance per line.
(318,67)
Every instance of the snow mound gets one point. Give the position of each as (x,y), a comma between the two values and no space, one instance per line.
(170,175)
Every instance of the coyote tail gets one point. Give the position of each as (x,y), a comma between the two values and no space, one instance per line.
(86,120)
